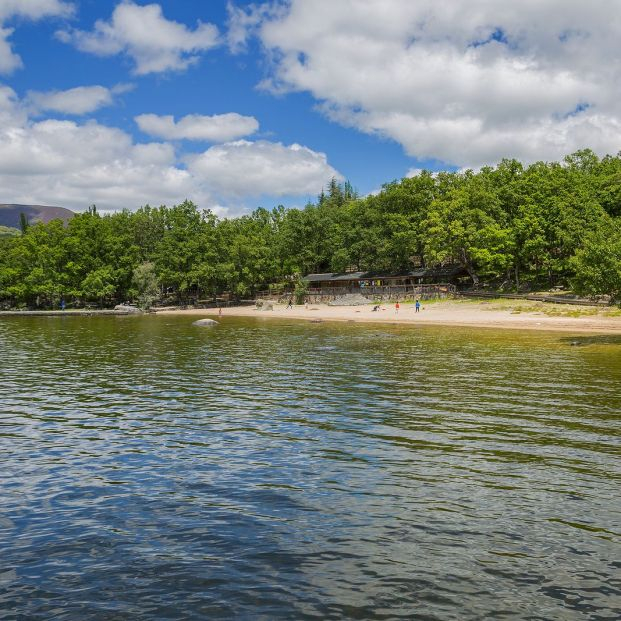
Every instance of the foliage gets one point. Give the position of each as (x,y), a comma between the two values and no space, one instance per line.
(300,291)
(146,284)
(7,231)
(598,264)
(537,225)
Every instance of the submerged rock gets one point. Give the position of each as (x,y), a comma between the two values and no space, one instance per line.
(205,323)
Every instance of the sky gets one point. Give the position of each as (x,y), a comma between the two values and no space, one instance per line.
(235,105)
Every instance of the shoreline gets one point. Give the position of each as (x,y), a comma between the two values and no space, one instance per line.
(451,313)
(494,314)
(63,313)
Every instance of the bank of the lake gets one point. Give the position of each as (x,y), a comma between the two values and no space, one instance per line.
(78,312)
(497,314)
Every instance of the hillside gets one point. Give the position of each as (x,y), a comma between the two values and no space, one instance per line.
(9,214)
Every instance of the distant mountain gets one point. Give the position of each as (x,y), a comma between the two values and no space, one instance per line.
(9,214)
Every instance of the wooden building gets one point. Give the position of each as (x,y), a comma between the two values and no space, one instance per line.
(421,283)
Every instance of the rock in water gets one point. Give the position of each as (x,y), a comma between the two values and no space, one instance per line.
(127,308)
(205,323)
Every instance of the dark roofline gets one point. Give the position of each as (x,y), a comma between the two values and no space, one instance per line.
(448,270)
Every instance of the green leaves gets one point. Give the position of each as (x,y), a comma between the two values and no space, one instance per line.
(544,223)
(597,264)
(146,284)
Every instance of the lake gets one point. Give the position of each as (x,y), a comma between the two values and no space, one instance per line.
(284,470)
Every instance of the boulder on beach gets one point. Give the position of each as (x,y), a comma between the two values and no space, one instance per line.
(128,308)
(205,323)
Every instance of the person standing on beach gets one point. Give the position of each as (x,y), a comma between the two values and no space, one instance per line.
(289,304)
(397,307)
(417,305)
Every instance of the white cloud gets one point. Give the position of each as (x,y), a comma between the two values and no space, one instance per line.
(77,101)
(30,9)
(74,165)
(9,61)
(216,128)
(463,82)
(414,172)
(262,168)
(242,23)
(154,43)
(35,9)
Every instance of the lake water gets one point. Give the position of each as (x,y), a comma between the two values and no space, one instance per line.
(280,470)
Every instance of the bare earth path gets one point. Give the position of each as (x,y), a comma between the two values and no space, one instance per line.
(500,314)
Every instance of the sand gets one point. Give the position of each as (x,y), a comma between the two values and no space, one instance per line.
(517,315)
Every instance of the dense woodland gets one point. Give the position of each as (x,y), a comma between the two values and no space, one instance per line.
(514,227)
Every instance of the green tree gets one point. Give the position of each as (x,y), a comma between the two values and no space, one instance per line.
(467,226)
(598,263)
(145,284)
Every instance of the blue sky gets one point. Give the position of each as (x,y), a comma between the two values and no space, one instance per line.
(261,103)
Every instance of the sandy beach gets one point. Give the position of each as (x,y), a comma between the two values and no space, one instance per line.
(498,314)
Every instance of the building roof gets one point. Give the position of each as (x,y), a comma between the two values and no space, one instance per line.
(423,272)
(332,276)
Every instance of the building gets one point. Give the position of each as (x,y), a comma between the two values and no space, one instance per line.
(421,283)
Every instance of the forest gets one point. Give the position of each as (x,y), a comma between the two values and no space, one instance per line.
(512,227)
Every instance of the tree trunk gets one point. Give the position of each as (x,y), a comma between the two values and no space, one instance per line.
(473,275)
(469,268)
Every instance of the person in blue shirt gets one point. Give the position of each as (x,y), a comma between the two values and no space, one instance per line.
(417,305)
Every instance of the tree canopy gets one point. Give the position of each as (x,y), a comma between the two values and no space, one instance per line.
(511,225)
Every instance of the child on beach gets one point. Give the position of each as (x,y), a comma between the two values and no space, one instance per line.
(417,306)
(397,307)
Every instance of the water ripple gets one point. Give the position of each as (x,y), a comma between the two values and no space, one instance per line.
(268,470)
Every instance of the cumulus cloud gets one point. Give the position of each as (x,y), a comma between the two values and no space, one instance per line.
(76,101)
(30,9)
(242,23)
(9,61)
(463,82)
(35,9)
(154,43)
(257,168)
(75,164)
(216,128)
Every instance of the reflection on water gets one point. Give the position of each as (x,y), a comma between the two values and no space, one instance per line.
(266,470)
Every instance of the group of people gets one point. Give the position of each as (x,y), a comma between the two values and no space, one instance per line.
(397,306)
(375,308)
